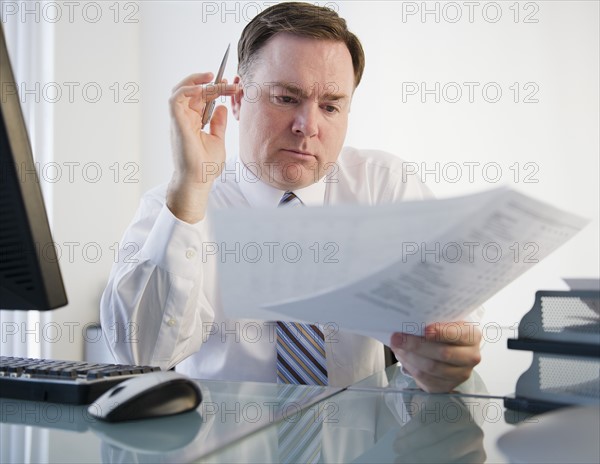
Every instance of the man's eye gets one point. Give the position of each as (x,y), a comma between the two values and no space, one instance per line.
(284,99)
(331,108)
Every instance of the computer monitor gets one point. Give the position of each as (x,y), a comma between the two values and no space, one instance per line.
(30,275)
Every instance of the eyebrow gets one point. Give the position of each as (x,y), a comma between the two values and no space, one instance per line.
(298,90)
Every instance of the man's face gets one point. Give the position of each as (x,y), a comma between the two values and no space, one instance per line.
(293,110)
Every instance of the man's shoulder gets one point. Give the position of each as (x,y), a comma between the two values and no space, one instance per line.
(369,162)
(352,156)
(378,174)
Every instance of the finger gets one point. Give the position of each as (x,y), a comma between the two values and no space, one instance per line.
(431,383)
(206,92)
(455,333)
(195,79)
(218,122)
(434,368)
(454,355)
(196,96)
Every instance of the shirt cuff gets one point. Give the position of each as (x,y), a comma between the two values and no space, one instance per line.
(175,245)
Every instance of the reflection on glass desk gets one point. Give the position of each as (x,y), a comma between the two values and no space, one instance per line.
(381,427)
(258,422)
(47,432)
(393,380)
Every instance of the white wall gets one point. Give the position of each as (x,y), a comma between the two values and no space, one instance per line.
(558,55)
(551,51)
(104,137)
(95,136)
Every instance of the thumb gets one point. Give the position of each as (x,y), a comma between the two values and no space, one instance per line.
(218,122)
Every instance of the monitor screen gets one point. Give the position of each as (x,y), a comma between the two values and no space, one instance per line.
(29,270)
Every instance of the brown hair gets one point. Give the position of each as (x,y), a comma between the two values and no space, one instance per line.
(302,19)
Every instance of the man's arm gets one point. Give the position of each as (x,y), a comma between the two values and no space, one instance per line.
(155,305)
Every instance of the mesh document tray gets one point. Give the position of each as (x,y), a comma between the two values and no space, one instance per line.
(563,331)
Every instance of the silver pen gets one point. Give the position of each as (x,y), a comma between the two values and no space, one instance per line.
(208,110)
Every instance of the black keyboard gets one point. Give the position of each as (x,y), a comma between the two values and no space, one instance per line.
(69,382)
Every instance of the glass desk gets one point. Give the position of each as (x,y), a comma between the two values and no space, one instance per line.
(47,432)
(383,418)
(387,427)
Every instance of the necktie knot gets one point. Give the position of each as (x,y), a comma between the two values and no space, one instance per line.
(290,199)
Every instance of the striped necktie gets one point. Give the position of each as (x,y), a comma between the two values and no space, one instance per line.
(300,347)
(300,435)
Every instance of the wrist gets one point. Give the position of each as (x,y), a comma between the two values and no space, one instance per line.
(187,200)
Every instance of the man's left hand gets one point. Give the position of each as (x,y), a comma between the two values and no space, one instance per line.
(441,359)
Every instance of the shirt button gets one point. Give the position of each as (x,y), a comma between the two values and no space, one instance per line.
(190,253)
(171,322)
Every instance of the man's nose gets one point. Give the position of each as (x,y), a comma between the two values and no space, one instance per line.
(306,119)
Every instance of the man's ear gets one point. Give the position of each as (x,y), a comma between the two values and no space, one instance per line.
(236,99)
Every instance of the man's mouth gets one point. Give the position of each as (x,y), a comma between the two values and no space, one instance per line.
(300,153)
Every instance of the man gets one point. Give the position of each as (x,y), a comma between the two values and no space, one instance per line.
(302,66)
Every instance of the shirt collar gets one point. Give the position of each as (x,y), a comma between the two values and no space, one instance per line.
(262,195)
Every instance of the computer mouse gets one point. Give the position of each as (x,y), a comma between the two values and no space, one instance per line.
(155,394)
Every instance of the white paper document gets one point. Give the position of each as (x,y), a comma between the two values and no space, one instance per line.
(381,269)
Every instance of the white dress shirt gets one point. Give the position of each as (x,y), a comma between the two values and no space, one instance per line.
(161,305)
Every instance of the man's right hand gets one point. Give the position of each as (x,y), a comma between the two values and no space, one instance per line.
(198,156)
